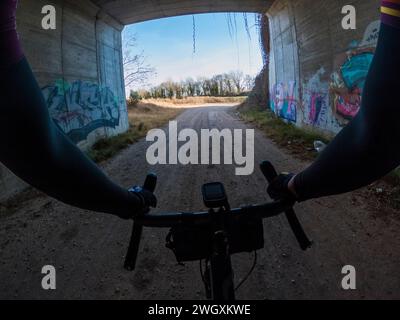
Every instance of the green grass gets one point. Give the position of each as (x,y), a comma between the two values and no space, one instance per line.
(142,118)
(107,148)
(298,140)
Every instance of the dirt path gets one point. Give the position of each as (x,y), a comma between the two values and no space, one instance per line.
(88,249)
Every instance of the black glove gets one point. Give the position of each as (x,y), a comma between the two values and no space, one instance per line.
(146,197)
(278,189)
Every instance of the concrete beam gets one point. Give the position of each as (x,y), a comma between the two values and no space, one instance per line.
(132,11)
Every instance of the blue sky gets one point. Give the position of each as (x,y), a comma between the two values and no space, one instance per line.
(168,46)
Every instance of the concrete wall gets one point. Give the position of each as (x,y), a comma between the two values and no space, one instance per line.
(79,67)
(317,69)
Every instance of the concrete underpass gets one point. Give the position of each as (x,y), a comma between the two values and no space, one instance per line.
(308,49)
(316,72)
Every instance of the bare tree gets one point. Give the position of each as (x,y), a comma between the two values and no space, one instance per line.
(190,87)
(136,70)
(204,84)
(248,82)
(228,83)
(237,79)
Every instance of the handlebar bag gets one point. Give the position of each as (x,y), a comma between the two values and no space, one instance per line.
(191,243)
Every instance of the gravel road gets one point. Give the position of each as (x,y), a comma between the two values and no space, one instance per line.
(87,249)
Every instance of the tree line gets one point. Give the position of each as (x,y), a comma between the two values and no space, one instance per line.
(234,83)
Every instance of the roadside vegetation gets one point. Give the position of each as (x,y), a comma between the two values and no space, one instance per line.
(231,84)
(297,140)
(142,118)
(193,101)
(383,195)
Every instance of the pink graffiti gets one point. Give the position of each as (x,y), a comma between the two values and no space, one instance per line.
(348,104)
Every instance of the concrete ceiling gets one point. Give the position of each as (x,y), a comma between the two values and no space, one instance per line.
(131,11)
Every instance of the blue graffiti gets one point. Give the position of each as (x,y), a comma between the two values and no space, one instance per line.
(354,71)
(283,101)
(81,107)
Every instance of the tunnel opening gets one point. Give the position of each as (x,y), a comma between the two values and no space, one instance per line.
(190,61)
(202,55)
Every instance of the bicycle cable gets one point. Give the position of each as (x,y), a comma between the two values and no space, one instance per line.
(250,272)
(201,272)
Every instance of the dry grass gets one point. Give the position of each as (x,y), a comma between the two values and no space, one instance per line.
(146,116)
(142,118)
(190,101)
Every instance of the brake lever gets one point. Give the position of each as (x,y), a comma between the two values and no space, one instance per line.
(137,229)
(270,174)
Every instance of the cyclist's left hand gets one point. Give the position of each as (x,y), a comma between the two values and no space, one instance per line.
(147,198)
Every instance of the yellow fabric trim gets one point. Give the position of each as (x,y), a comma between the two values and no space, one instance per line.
(390,11)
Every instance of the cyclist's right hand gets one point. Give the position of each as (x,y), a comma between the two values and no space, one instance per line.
(279,189)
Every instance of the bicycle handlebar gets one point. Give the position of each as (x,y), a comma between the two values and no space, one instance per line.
(171,219)
(166,220)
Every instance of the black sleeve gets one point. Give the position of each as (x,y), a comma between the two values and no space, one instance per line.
(37,151)
(368,148)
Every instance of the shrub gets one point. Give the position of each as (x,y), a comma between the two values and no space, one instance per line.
(134,98)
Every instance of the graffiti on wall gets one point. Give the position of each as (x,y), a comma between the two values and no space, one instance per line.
(347,85)
(316,100)
(317,113)
(283,100)
(348,82)
(371,35)
(81,107)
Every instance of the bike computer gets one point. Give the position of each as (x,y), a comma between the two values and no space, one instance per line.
(214,195)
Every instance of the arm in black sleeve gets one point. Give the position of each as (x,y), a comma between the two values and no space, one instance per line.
(368,148)
(36,150)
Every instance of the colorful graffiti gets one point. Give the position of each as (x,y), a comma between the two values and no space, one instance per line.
(317,109)
(347,84)
(316,100)
(283,101)
(371,35)
(81,107)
